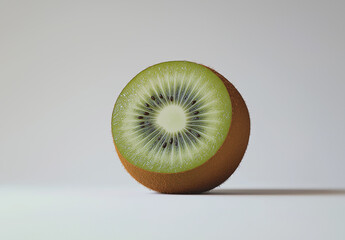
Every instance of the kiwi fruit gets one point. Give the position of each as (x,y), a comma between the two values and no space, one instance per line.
(180,127)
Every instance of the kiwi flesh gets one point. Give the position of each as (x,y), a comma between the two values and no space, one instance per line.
(180,127)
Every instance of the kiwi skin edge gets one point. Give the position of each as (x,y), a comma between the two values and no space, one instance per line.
(215,170)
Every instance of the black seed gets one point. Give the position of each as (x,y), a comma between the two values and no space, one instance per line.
(171,98)
(171,141)
(196,112)
(193,102)
(140,117)
(190,130)
(141,123)
(197,134)
(142,126)
(176,143)
(164,145)
(190,137)
(153,98)
(195,118)
(147,105)
(146,113)
(160,95)
(159,138)
(150,109)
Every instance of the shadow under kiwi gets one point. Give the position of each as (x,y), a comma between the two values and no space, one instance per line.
(269,192)
(276,191)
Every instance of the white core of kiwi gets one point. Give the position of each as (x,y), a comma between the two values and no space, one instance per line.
(172,118)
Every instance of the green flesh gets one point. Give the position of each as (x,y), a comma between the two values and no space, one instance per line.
(171,117)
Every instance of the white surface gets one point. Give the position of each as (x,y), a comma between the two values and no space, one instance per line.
(135,213)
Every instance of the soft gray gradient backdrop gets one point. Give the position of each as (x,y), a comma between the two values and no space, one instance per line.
(63,64)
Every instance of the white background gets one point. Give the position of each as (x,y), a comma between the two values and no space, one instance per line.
(63,64)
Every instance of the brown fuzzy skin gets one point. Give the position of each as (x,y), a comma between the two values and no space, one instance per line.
(215,170)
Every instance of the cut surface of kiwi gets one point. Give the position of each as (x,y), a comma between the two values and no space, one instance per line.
(172,117)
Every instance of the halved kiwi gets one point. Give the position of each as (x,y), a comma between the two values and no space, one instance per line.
(180,127)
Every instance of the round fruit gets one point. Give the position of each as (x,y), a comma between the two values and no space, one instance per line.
(180,127)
